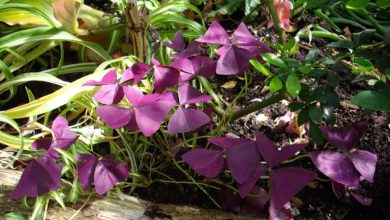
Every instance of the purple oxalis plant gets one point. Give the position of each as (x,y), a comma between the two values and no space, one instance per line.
(348,167)
(44,173)
(243,160)
(235,52)
(104,173)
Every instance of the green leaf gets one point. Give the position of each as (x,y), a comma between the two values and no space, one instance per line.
(372,100)
(383,3)
(275,84)
(333,79)
(14,216)
(315,114)
(316,134)
(303,116)
(274,60)
(293,84)
(260,67)
(357,4)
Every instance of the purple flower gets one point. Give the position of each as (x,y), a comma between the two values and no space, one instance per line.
(188,119)
(40,176)
(234,55)
(63,138)
(104,173)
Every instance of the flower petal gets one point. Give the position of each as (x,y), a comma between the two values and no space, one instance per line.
(336,166)
(86,164)
(205,162)
(109,94)
(345,138)
(233,61)
(40,176)
(115,117)
(365,163)
(243,159)
(270,152)
(286,182)
(109,78)
(186,120)
(216,34)
(108,173)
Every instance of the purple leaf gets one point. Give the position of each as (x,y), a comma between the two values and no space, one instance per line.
(186,120)
(108,173)
(164,77)
(136,97)
(205,162)
(150,116)
(86,164)
(216,34)
(286,182)
(192,50)
(40,176)
(233,61)
(254,205)
(226,142)
(177,44)
(336,166)
(339,190)
(136,72)
(113,116)
(270,152)
(247,186)
(109,94)
(361,199)
(197,65)
(284,213)
(345,138)
(365,163)
(63,136)
(243,159)
(109,78)
(242,38)
(190,95)
(229,200)
(42,143)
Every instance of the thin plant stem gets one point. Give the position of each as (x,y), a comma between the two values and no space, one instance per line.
(209,89)
(275,19)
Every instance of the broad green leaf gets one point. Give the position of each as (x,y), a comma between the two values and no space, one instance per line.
(9,121)
(315,114)
(372,100)
(357,4)
(316,134)
(293,85)
(163,20)
(383,3)
(260,67)
(14,141)
(275,84)
(14,216)
(47,33)
(274,60)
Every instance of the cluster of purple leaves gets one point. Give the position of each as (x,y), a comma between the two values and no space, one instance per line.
(347,167)
(243,156)
(44,173)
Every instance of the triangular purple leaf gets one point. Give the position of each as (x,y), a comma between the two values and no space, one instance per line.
(233,61)
(190,95)
(205,162)
(192,50)
(229,200)
(365,163)
(345,138)
(136,72)
(86,164)
(186,120)
(177,44)
(40,176)
(361,198)
(164,77)
(336,166)
(227,142)
(108,173)
(109,78)
(339,189)
(243,159)
(63,136)
(242,37)
(42,143)
(109,94)
(216,34)
(270,152)
(247,186)
(286,182)
(113,116)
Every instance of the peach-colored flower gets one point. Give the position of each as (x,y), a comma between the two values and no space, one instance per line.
(283,8)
